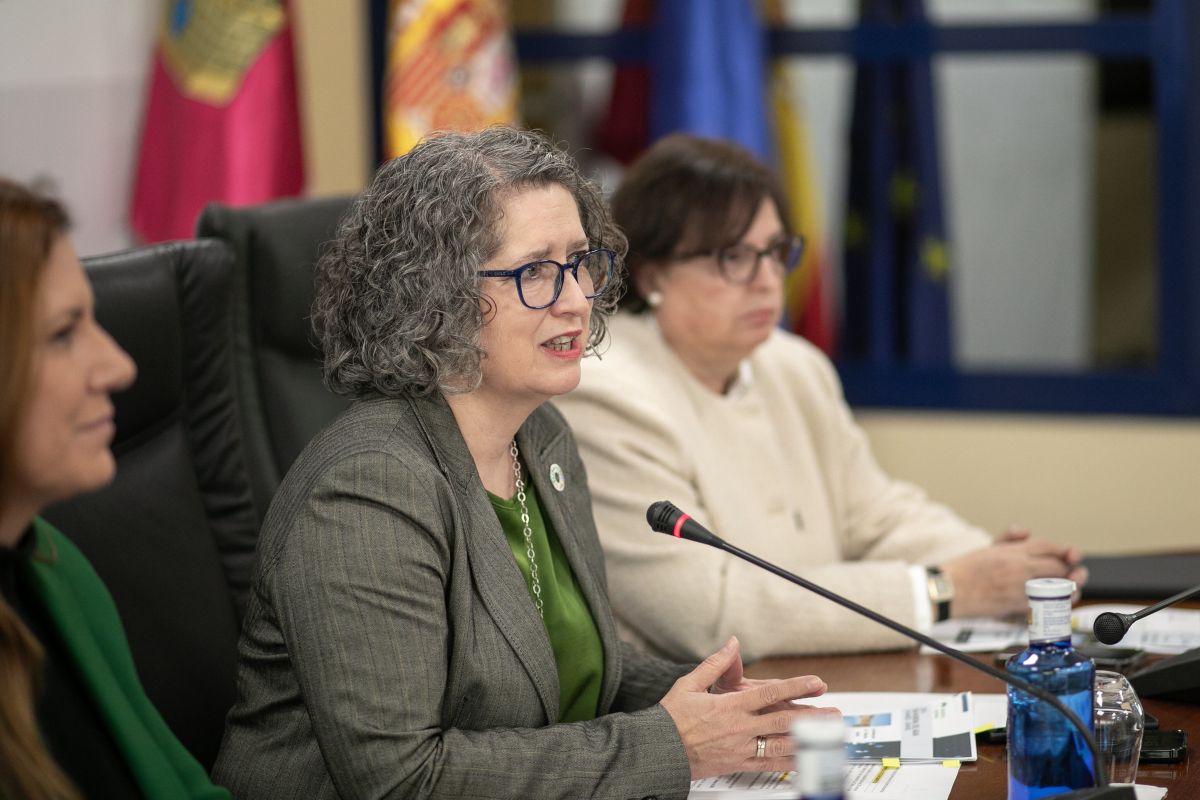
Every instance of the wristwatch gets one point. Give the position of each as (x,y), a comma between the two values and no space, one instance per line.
(941,592)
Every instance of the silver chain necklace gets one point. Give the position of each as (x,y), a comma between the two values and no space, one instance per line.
(533,569)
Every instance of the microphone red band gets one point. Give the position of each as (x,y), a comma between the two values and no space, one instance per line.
(679,524)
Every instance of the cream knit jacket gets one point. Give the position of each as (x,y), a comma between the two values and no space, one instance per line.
(776,466)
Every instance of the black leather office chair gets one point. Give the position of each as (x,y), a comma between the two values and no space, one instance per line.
(283,402)
(179,512)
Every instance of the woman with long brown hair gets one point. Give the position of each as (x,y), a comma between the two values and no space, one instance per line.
(74,720)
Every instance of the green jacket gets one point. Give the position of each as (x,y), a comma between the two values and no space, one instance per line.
(81,607)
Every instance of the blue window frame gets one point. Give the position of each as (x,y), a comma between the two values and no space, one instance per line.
(1168,37)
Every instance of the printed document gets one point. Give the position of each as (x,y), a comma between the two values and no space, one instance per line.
(863,782)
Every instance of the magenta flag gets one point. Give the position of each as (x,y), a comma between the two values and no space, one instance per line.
(222,122)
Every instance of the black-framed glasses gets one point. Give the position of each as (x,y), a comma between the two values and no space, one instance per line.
(539,283)
(739,263)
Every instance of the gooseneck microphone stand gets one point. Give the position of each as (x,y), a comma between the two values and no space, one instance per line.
(1176,678)
(664,517)
(1111,627)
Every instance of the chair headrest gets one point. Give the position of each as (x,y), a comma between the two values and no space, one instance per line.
(150,305)
(278,239)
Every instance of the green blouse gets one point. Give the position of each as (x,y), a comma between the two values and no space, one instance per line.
(569,623)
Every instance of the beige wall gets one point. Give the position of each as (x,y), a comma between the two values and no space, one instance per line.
(1109,484)
(333,57)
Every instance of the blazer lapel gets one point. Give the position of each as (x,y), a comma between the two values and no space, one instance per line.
(545,447)
(497,577)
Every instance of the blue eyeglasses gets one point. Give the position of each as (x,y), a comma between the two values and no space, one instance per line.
(539,283)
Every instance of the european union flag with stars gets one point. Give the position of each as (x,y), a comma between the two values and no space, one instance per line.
(897,261)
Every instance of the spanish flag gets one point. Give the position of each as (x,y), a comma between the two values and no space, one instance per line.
(810,300)
(450,66)
(809,294)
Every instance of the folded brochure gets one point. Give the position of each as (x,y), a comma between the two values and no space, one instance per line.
(911,727)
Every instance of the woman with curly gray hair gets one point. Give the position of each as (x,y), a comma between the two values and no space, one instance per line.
(430,616)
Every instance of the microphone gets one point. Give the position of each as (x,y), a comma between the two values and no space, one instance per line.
(1111,627)
(664,517)
(1176,678)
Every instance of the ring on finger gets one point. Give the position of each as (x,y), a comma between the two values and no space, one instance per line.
(760,750)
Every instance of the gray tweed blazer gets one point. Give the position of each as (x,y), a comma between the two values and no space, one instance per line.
(391,650)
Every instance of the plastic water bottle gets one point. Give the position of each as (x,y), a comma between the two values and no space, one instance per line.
(820,757)
(1046,754)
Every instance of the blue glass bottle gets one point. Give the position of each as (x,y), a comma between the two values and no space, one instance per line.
(1046,754)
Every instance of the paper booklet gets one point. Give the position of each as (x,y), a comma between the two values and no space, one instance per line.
(863,782)
(909,726)
(898,745)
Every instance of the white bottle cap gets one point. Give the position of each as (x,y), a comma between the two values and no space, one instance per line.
(1049,588)
(819,730)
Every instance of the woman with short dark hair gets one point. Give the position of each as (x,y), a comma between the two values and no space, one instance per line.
(429,615)
(703,400)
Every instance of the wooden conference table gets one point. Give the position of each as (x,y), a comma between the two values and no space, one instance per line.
(986,779)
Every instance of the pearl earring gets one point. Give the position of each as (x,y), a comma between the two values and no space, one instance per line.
(654,299)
